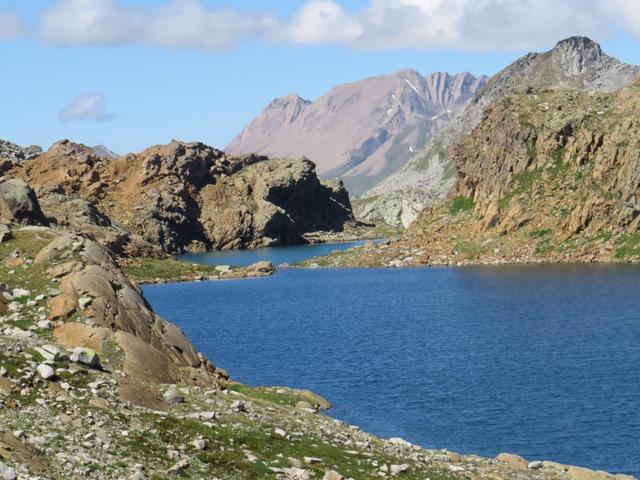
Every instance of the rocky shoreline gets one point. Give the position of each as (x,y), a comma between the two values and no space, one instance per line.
(397,254)
(81,399)
(169,270)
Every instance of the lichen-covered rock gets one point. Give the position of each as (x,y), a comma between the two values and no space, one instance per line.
(14,153)
(86,356)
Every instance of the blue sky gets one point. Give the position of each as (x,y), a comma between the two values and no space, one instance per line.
(104,81)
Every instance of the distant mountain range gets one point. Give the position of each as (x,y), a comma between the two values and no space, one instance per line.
(575,63)
(362,131)
(390,137)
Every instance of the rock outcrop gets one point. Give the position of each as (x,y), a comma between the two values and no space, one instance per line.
(575,63)
(116,315)
(361,131)
(566,161)
(190,196)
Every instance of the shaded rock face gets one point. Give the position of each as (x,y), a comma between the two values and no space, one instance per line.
(18,204)
(361,131)
(575,63)
(190,196)
(548,174)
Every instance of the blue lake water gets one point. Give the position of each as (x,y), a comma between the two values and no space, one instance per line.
(276,255)
(542,361)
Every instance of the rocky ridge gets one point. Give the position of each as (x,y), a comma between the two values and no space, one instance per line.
(575,63)
(10,154)
(361,131)
(547,176)
(185,196)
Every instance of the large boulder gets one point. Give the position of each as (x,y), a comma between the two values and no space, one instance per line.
(152,349)
(19,204)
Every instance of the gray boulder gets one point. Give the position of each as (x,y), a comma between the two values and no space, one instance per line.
(19,204)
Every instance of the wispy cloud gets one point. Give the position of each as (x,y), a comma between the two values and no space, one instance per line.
(11,25)
(470,25)
(88,107)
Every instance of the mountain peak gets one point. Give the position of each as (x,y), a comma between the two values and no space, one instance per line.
(578,43)
(577,54)
(292,98)
(104,152)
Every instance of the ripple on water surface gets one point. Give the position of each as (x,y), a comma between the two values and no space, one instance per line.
(543,361)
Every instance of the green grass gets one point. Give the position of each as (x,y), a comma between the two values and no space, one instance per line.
(546,245)
(471,249)
(461,204)
(272,394)
(628,245)
(539,233)
(147,269)
(524,184)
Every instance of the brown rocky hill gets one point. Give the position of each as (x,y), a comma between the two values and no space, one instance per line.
(188,196)
(548,176)
(361,131)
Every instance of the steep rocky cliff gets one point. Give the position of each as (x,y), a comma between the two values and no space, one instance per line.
(361,131)
(576,63)
(187,196)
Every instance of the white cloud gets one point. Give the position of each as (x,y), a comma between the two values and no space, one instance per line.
(91,106)
(459,24)
(11,25)
(627,12)
(176,24)
(472,25)
(319,20)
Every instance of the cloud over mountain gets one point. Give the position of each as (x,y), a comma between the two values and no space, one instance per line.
(470,25)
